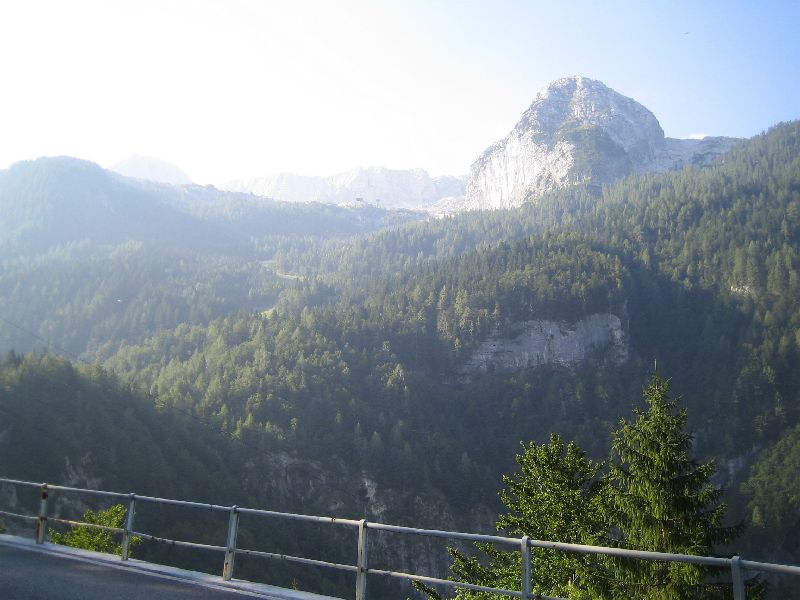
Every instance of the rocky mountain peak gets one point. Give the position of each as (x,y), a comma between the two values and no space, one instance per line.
(576,130)
(580,103)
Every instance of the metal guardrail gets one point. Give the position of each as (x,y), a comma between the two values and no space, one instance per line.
(524,545)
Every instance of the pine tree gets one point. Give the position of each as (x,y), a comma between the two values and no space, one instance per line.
(654,497)
(555,495)
(661,500)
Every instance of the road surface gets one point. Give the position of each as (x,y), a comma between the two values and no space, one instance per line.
(31,572)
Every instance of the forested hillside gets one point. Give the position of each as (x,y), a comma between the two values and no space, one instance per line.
(350,354)
(84,427)
(53,202)
(92,304)
(104,429)
(90,260)
(362,360)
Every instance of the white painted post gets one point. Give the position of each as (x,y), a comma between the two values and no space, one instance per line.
(126,534)
(230,548)
(361,576)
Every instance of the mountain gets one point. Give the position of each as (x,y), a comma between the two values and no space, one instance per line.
(114,259)
(151,169)
(402,337)
(97,432)
(392,375)
(388,188)
(54,201)
(421,356)
(578,130)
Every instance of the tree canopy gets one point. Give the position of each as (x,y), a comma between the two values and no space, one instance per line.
(93,538)
(661,500)
(652,496)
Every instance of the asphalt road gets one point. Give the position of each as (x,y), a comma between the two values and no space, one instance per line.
(27,574)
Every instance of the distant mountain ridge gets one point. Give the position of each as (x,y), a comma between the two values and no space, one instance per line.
(53,201)
(388,188)
(151,169)
(578,130)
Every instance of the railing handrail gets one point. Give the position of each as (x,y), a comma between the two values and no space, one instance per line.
(524,544)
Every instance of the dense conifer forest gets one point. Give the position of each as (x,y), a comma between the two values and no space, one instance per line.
(343,341)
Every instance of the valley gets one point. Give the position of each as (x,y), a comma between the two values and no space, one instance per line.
(357,361)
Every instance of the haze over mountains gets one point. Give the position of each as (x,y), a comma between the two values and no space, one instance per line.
(577,130)
(49,202)
(151,169)
(413,189)
(357,361)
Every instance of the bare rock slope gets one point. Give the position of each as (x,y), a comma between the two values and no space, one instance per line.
(578,130)
(542,342)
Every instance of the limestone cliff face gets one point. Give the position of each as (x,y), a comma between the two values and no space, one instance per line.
(293,484)
(540,342)
(578,130)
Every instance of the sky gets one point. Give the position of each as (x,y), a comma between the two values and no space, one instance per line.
(229,89)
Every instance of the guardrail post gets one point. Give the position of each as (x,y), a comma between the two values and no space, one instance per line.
(41,522)
(525,551)
(738,580)
(361,576)
(126,534)
(230,548)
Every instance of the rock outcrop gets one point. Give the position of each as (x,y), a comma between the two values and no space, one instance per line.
(540,342)
(578,130)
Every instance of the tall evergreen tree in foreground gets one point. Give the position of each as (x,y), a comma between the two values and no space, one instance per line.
(556,495)
(662,500)
(654,497)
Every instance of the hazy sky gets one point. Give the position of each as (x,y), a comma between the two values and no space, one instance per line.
(228,89)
